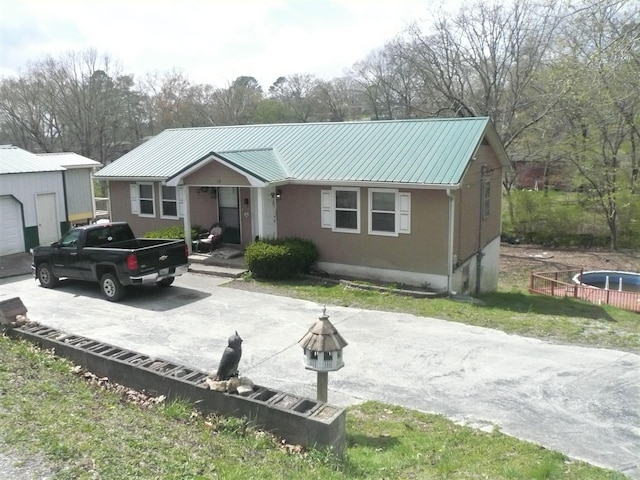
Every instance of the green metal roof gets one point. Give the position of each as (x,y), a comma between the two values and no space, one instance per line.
(430,152)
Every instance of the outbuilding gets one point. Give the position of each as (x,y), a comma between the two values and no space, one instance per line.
(41,196)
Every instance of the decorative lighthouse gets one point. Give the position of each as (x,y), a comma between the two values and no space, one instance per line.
(322,346)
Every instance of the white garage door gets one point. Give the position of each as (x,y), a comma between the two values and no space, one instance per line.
(11,233)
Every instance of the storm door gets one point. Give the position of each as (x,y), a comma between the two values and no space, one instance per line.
(229,214)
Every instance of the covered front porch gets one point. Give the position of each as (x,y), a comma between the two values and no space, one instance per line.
(215,190)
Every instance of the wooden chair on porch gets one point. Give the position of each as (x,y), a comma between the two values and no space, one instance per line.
(211,240)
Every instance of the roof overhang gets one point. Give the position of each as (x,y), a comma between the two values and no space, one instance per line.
(129,179)
(370,184)
(497,145)
(178,178)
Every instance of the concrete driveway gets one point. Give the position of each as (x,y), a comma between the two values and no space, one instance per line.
(583,402)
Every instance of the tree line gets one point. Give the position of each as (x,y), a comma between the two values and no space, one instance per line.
(560,81)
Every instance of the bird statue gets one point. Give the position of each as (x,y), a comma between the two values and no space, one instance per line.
(228,366)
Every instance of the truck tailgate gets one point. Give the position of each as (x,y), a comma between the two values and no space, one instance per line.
(157,257)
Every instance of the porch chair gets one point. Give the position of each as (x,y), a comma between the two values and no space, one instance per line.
(212,239)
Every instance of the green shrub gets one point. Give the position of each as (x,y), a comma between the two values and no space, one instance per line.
(280,258)
(170,232)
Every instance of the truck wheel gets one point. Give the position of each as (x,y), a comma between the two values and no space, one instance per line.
(46,277)
(112,289)
(166,282)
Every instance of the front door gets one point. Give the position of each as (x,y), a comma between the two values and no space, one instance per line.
(47,212)
(229,214)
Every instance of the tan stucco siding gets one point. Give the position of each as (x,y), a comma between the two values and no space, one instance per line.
(216,174)
(470,232)
(120,198)
(203,206)
(422,250)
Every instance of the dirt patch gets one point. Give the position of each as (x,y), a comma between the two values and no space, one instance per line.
(517,262)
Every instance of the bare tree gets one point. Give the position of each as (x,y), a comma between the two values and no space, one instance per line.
(72,103)
(237,104)
(340,99)
(300,94)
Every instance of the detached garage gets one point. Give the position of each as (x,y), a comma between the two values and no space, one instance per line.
(32,201)
(12,226)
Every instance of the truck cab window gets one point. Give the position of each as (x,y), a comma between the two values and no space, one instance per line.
(70,239)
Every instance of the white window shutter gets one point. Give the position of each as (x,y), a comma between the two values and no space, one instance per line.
(404,213)
(180,192)
(325,207)
(135,204)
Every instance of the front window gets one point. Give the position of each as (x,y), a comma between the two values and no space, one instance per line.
(383,211)
(169,202)
(347,210)
(146,199)
(389,212)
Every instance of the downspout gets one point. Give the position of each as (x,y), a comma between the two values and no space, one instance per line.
(479,253)
(452,203)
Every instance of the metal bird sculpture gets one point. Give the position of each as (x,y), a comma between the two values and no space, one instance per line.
(228,366)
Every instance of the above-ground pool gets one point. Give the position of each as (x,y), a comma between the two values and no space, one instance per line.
(610,280)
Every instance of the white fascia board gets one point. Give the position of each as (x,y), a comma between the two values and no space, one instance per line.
(177,179)
(337,183)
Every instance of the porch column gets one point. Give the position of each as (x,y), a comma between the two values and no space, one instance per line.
(186,216)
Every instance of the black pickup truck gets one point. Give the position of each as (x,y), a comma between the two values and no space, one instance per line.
(110,254)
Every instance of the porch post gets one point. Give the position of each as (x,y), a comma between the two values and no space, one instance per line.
(186,216)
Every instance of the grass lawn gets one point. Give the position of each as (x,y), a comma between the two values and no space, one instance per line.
(82,431)
(513,311)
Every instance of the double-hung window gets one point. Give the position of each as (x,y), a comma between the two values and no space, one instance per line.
(169,202)
(341,209)
(142,199)
(389,212)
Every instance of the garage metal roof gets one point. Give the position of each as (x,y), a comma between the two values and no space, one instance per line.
(17,160)
(431,151)
(70,160)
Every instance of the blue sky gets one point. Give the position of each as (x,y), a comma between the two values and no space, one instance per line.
(212,41)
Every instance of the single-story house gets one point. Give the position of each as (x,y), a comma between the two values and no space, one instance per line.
(39,198)
(409,201)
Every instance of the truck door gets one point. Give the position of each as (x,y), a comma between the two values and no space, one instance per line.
(66,256)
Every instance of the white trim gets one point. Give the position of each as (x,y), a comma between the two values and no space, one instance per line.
(181,193)
(340,183)
(178,178)
(433,281)
(153,200)
(326,212)
(395,212)
(133,198)
(404,212)
(186,219)
(450,237)
(334,209)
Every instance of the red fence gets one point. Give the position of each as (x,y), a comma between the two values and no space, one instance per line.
(560,284)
